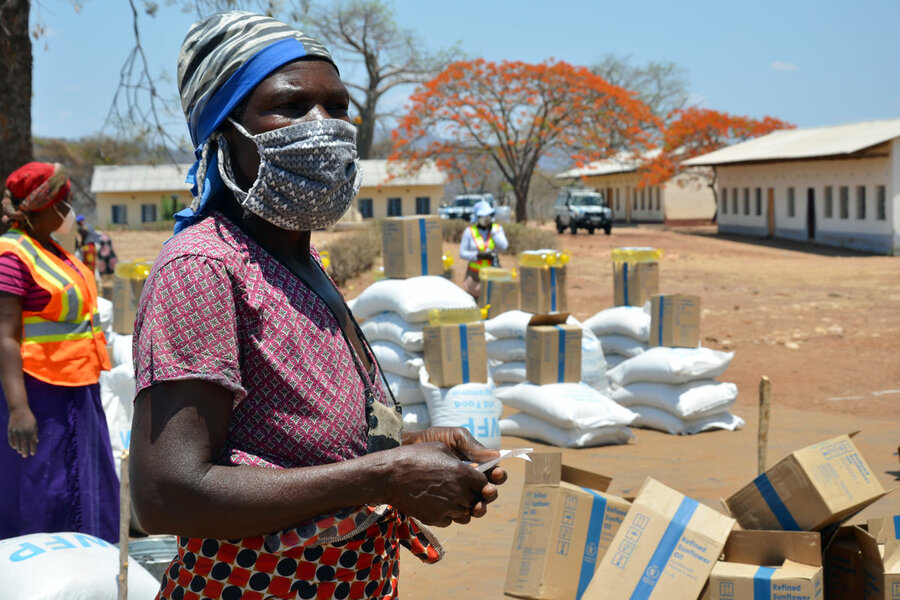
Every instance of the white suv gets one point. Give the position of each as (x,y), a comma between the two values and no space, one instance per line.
(582,208)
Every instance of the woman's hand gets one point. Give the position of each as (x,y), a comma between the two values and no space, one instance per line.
(22,432)
(467,448)
(430,482)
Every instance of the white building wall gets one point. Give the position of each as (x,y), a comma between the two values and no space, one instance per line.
(688,198)
(893,191)
(868,233)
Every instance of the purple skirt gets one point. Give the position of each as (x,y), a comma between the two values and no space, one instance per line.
(71,483)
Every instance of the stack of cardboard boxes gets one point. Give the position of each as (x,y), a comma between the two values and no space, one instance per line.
(412,246)
(670,547)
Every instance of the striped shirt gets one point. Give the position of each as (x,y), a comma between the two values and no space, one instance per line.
(16,279)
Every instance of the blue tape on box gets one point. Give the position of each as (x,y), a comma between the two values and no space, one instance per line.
(762,583)
(591,544)
(423,246)
(464,351)
(664,550)
(784,516)
(561,356)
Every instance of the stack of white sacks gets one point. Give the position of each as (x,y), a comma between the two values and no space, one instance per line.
(394,313)
(670,389)
(572,415)
(117,386)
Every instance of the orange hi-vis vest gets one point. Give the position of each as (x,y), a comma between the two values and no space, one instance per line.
(483,245)
(62,344)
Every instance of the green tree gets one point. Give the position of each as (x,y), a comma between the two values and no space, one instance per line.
(364,32)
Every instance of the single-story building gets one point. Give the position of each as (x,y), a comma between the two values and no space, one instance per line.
(837,185)
(683,200)
(135,195)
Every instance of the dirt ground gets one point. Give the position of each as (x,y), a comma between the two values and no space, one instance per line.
(822,324)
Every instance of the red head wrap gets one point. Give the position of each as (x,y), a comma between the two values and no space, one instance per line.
(34,187)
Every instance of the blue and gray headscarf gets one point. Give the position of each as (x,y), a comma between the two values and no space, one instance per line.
(222,59)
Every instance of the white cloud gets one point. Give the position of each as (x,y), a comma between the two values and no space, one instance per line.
(779,65)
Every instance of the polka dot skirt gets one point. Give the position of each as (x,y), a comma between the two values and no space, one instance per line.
(351,555)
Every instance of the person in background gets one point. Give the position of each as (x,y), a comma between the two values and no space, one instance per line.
(263,434)
(479,246)
(87,242)
(56,471)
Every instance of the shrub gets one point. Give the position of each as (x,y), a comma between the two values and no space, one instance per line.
(522,237)
(452,230)
(354,253)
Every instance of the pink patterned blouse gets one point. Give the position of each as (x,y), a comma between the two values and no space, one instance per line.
(217,307)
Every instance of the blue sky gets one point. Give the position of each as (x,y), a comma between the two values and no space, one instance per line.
(809,62)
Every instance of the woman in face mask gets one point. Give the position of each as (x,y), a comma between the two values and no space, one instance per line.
(57,468)
(263,435)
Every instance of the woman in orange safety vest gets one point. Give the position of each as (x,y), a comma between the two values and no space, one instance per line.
(57,471)
(479,246)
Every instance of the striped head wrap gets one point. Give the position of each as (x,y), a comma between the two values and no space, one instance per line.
(222,60)
(34,187)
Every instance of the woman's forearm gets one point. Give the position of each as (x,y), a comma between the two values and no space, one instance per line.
(11,374)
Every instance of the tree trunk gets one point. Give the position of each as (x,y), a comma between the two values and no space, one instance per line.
(15,87)
(521,204)
(365,131)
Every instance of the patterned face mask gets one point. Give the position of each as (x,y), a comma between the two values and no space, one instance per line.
(308,174)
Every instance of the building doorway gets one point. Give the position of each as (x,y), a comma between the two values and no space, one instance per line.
(628,205)
(811,213)
(770,212)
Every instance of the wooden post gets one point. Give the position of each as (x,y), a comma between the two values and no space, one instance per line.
(124,526)
(765,402)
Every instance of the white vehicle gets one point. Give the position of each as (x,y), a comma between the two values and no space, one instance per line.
(463,206)
(582,208)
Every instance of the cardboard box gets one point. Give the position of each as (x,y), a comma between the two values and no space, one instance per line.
(665,548)
(881,566)
(768,564)
(502,296)
(125,296)
(675,320)
(843,567)
(543,289)
(455,354)
(808,490)
(412,246)
(634,283)
(552,350)
(566,524)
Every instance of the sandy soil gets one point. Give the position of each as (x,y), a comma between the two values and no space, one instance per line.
(821,324)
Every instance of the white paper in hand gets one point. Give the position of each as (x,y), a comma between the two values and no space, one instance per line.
(504,454)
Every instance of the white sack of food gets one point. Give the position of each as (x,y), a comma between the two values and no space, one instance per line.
(121,350)
(396,360)
(506,349)
(661,420)
(671,365)
(410,298)
(593,361)
(566,405)
(512,324)
(527,426)
(407,391)
(68,566)
(117,388)
(105,312)
(631,321)
(416,417)
(390,327)
(509,372)
(684,400)
(614,360)
(622,345)
(470,405)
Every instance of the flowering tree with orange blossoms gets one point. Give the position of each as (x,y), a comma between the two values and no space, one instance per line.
(516,113)
(696,131)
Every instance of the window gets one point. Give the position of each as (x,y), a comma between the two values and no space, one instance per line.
(617,200)
(643,194)
(148,213)
(423,205)
(829,202)
(725,201)
(365,208)
(634,201)
(792,205)
(120,214)
(845,202)
(860,202)
(746,201)
(758,202)
(395,207)
(881,206)
(657,198)
(734,201)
